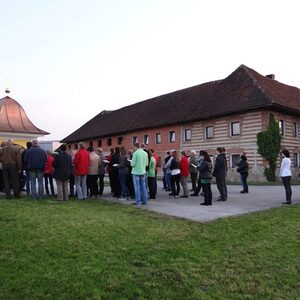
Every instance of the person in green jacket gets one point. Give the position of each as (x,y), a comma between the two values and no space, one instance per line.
(139,163)
(151,176)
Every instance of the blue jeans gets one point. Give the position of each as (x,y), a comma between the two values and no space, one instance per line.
(81,188)
(243,177)
(39,175)
(168,181)
(123,178)
(139,182)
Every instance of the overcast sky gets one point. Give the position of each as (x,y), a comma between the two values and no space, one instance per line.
(67,60)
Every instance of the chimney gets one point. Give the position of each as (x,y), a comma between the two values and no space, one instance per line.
(270,76)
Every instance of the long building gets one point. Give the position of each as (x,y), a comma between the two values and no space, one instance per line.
(228,112)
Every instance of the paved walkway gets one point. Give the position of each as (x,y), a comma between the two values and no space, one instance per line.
(259,198)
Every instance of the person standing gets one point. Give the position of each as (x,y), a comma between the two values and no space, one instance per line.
(286,174)
(193,163)
(184,171)
(139,163)
(92,177)
(10,157)
(243,169)
(71,178)
(175,174)
(35,160)
(62,165)
(199,186)
(101,171)
(155,156)
(115,182)
(48,173)
(205,169)
(123,167)
(167,171)
(27,179)
(152,185)
(81,167)
(219,172)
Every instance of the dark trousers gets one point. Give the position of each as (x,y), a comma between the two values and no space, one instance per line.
(151,185)
(48,178)
(175,180)
(11,176)
(207,193)
(101,184)
(1,181)
(155,184)
(123,178)
(221,185)
(244,176)
(198,188)
(71,185)
(194,181)
(92,185)
(115,183)
(287,185)
(131,186)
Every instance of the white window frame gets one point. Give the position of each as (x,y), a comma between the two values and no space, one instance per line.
(232,127)
(206,132)
(158,141)
(187,134)
(172,136)
(281,124)
(295,129)
(134,140)
(146,139)
(231,159)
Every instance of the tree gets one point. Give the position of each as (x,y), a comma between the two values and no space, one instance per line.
(269,145)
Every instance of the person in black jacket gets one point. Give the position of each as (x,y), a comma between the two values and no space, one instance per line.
(243,169)
(62,165)
(205,169)
(220,170)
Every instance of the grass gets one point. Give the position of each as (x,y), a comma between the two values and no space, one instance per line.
(103,250)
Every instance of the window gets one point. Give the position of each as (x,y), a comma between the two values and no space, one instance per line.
(295,129)
(108,142)
(235,159)
(187,134)
(235,128)
(146,139)
(172,136)
(158,138)
(69,147)
(76,146)
(209,132)
(120,140)
(99,143)
(91,144)
(296,160)
(134,140)
(281,127)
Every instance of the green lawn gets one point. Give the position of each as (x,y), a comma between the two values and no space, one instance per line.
(102,250)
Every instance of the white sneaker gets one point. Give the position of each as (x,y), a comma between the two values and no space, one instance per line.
(122,199)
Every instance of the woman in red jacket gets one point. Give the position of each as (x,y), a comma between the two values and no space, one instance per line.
(48,173)
(184,171)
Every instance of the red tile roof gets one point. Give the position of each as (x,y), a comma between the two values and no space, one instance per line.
(14,119)
(243,90)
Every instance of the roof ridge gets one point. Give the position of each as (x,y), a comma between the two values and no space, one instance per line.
(256,82)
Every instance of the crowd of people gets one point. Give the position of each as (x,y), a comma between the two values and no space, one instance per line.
(132,174)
